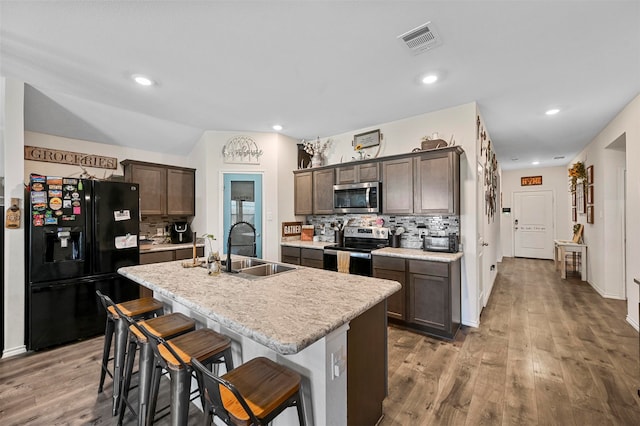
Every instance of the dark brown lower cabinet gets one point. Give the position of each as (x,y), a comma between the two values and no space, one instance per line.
(434,297)
(311,257)
(429,301)
(290,255)
(393,268)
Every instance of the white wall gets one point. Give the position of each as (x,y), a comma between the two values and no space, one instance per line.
(76,145)
(13,134)
(605,249)
(403,136)
(554,179)
(276,165)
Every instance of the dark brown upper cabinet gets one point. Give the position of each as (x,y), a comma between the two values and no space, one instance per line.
(164,190)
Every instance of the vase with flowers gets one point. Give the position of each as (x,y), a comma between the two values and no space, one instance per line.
(316,149)
(578,174)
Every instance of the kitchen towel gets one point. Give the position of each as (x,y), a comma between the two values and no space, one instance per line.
(343,261)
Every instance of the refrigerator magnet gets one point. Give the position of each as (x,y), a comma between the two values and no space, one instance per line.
(66,218)
(76,210)
(40,207)
(50,220)
(38,197)
(38,220)
(66,204)
(67,181)
(55,203)
(75,196)
(37,186)
(126,241)
(38,178)
(55,193)
(121,215)
(54,180)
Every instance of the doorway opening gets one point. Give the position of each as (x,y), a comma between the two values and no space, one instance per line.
(242,202)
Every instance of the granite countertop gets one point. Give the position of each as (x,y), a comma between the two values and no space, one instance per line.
(164,247)
(387,251)
(308,244)
(285,312)
(417,254)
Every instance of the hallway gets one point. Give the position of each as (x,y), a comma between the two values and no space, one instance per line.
(548,351)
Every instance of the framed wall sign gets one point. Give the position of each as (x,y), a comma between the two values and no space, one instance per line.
(590,174)
(573,198)
(590,194)
(589,214)
(574,214)
(530,180)
(367,139)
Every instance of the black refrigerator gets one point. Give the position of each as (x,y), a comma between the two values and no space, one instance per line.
(79,233)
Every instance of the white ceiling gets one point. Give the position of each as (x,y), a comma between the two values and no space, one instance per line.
(321,68)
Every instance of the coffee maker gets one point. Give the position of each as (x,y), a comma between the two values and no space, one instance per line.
(181,233)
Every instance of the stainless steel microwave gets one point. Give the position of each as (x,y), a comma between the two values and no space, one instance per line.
(357,198)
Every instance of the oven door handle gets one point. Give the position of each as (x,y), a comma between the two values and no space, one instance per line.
(351,254)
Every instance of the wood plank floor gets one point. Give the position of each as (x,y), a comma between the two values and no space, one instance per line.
(549,351)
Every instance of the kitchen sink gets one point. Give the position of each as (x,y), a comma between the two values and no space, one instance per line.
(252,268)
(238,264)
(266,269)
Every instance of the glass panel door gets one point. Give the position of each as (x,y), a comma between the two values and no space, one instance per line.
(243,203)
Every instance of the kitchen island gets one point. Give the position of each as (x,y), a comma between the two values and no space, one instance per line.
(329,327)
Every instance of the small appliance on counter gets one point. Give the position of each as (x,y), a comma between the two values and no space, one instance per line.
(446,243)
(181,233)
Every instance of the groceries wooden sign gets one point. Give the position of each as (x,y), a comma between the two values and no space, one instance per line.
(35,153)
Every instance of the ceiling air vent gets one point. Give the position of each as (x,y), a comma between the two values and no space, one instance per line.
(421,38)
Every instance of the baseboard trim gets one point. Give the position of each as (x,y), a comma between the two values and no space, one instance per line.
(633,323)
(14,351)
(474,324)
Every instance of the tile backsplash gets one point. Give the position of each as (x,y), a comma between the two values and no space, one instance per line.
(434,225)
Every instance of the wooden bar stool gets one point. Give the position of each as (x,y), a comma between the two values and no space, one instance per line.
(144,308)
(166,327)
(253,394)
(175,356)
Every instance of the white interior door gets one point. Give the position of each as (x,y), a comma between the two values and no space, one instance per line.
(533,224)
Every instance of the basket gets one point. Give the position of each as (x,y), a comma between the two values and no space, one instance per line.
(433,144)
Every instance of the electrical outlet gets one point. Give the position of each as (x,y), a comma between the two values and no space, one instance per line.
(159,231)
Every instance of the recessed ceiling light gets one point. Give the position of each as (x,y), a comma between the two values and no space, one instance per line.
(143,80)
(430,79)
(535,163)
(277,127)
(553,111)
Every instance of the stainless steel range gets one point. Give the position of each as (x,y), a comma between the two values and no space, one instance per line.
(359,242)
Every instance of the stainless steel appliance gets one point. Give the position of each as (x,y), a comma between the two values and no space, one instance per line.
(79,232)
(357,198)
(181,233)
(359,242)
(447,243)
